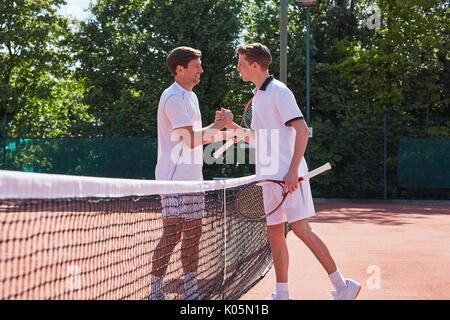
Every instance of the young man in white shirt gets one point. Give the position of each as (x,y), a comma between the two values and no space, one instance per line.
(280,135)
(180,157)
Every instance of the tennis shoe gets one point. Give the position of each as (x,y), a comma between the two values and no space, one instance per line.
(274,297)
(350,293)
(156,296)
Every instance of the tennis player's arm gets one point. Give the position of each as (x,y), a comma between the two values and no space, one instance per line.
(243,134)
(301,141)
(222,135)
(194,138)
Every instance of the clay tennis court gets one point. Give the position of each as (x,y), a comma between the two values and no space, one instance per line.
(395,250)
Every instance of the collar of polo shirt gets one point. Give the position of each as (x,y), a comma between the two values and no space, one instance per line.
(266,83)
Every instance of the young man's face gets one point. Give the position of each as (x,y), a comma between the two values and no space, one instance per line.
(245,68)
(192,73)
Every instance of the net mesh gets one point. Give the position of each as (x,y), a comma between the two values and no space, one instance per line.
(110,247)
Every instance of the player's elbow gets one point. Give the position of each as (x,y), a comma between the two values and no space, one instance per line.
(187,134)
(190,141)
(301,128)
(306,131)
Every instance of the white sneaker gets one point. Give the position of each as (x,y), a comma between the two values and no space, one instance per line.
(156,296)
(274,297)
(350,293)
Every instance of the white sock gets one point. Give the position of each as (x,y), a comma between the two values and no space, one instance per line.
(282,290)
(156,284)
(337,280)
(190,282)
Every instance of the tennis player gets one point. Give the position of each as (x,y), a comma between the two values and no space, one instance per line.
(180,157)
(280,135)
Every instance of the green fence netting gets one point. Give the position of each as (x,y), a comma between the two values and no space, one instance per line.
(372,157)
(424,163)
(133,158)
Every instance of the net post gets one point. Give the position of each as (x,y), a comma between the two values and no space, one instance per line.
(5,138)
(224,238)
(385,156)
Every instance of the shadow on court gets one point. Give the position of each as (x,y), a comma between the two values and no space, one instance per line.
(383,214)
(395,251)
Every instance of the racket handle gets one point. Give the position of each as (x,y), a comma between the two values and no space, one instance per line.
(223,148)
(316,171)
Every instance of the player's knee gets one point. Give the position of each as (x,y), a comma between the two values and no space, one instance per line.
(171,238)
(275,231)
(192,230)
(192,241)
(302,229)
(276,235)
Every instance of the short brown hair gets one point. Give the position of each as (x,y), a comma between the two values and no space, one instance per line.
(256,52)
(181,56)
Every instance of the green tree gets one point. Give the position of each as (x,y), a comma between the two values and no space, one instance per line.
(358,75)
(38,95)
(122,53)
(397,69)
(402,68)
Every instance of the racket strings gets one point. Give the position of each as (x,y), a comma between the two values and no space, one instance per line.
(250,201)
(247,117)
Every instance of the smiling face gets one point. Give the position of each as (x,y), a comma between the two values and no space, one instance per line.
(193,71)
(190,76)
(245,68)
(185,65)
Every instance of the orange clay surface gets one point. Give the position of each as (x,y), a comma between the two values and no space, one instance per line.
(395,251)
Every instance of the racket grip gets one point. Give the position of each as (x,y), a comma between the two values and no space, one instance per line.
(315,172)
(223,148)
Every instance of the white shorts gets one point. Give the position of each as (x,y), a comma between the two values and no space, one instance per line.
(187,206)
(297,206)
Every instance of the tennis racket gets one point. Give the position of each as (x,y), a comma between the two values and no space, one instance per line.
(250,202)
(245,122)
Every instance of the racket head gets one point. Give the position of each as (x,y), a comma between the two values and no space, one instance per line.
(260,199)
(247,115)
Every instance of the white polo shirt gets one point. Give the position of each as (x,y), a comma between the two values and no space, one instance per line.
(176,161)
(274,107)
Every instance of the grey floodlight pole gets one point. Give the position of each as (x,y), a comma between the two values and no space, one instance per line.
(283,41)
(307,4)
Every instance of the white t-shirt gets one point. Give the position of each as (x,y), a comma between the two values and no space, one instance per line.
(274,107)
(176,161)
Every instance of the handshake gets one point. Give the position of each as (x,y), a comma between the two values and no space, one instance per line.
(224,119)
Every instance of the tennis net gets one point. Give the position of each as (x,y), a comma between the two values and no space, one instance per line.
(68,237)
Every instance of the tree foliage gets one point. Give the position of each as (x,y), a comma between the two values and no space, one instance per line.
(38,94)
(122,54)
(56,77)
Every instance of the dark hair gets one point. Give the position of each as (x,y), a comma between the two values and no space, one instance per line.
(181,56)
(256,52)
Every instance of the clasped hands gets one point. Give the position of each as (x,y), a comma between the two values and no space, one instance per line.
(225,118)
